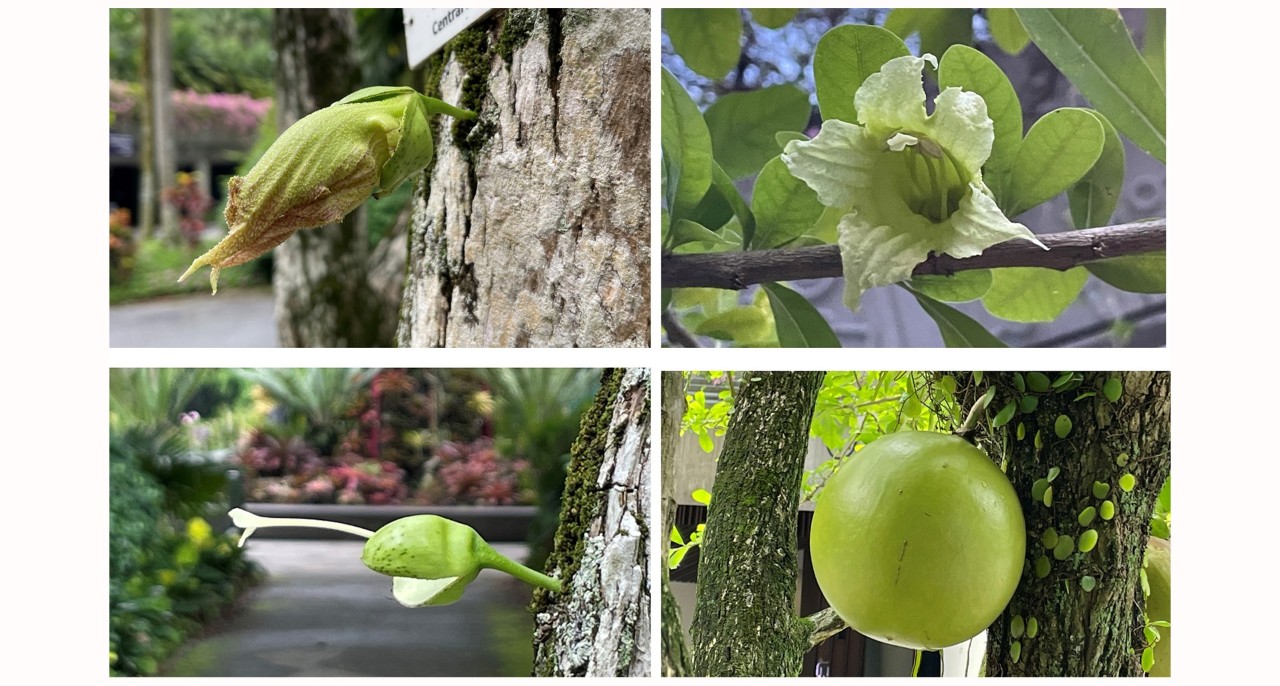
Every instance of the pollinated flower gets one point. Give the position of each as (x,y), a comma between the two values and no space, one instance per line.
(909,182)
(322,168)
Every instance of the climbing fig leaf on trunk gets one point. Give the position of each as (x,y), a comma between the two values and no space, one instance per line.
(323,167)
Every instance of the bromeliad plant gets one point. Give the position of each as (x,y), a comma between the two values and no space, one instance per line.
(893,179)
(323,167)
(430,559)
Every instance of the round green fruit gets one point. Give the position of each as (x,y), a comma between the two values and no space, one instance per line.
(1158,602)
(918,540)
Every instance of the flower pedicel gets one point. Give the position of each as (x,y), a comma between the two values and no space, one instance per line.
(910,183)
(323,167)
(430,559)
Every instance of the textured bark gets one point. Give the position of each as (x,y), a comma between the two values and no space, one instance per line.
(745,621)
(146,156)
(599,625)
(323,293)
(675,652)
(162,143)
(532,226)
(1096,633)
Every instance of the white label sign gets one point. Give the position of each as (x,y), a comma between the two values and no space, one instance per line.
(427,29)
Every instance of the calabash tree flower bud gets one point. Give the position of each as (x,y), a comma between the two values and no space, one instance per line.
(322,168)
(430,559)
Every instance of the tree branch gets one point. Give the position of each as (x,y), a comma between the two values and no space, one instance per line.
(676,333)
(826,623)
(737,270)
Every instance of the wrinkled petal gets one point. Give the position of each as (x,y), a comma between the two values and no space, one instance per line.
(960,124)
(978,225)
(839,163)
(878,254)
(892,99)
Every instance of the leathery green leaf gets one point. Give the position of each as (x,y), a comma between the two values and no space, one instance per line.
(799,324)
(708,39)
(744,126)
(686,149)
(966,68)
(1006,30)
(784,206)
(959,287)
(1093,198)
(844,58)
(1132,273)
(958,329)
(1033,294)
(1093,48)
(686,231)
(1061,147)
(773,18)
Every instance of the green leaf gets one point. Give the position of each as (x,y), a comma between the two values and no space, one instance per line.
(1088,583)
(744,125)
(772,18)
(748,324)
(1053,473)
(1127,482)
(970,70)
(1006,30)
(959,287)
(676,537)
(1113,388)
(1100,491)
(784,206)
(1028,404)
(1148,658)
(722,186)
(706,443)
(784,137)
(1153,42)
(1062,426)
(709,40)
(686,231)
(1059,149)
(1038,382)
(1092,47)
(1133,273)
(1033,294)
(1093,198)
(677,556)
(845,57)
(958,329)
(1087,541)
(686,149)
(701,496)
(939,29)
(799,324)
(1017,626)
(1004,415)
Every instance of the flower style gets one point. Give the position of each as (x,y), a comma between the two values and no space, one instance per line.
(910,182)
(321,168)
(430,559)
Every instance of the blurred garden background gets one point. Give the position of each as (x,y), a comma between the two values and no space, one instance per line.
(487,447)
(191,103)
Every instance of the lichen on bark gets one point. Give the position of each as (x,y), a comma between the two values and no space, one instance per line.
(745,621)
(532,226)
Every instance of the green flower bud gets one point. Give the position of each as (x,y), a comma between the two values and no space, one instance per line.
(321,168)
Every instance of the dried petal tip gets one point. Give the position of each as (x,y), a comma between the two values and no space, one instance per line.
(196,265)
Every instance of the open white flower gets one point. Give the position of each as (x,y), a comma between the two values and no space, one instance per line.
(910,182)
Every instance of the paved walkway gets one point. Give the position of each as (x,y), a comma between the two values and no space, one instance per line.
(239,318)
(323,613)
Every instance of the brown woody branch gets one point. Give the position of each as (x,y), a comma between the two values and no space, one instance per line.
(737,270)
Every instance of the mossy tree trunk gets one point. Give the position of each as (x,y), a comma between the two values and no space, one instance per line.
(1081,632)
(599,624)
(745,621)
(323,294)
(531,228)
(675,652)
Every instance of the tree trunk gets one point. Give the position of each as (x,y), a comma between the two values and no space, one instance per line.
(599,624)
(745,621)
(532,226)
(675,651)
(1096,632)
(162,141)
(147,195)
(323,295)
